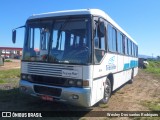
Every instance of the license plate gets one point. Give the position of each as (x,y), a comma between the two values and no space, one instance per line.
(47,98)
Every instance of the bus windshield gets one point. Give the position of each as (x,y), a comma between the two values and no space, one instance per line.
(58,41)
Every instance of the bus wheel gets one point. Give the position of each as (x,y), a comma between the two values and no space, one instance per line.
(132,75)
(107,91)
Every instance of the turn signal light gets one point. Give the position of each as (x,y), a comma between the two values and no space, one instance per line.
(85,83)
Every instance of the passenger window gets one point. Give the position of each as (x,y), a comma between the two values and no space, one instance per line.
(126,46)
(120,43)
(114,40)
(132,49)
(112,36)
(136,51)
(129,47)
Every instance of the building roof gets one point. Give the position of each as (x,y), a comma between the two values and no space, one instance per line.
(95,12)
(10,48)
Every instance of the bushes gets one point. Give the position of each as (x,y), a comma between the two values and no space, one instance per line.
(7,61)
(153,67)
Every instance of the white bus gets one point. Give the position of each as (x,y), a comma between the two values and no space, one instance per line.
(76,56)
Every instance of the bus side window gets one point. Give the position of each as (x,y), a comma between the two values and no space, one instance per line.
(137,51)
(129,47)
(133,49)
(112,38)
(120,43)
(126,46)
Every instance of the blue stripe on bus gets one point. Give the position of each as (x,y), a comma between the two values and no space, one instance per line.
(130,65)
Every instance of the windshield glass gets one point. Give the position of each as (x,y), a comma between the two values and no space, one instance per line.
(58,41)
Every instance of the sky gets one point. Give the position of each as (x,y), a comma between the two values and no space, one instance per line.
(139,18)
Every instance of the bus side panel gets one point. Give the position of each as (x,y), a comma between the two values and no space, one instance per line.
(135,71)
(121,78)
(118,79)
(107,65)
(120,63)
(98,90)
(124,74)
(88,74)
(135,66)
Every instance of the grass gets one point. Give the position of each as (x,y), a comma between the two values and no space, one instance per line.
(9,76)
(13,73)
(151,105)
(153,67)
(2,81)
(12,99)
(154,105)
(120,92)
(103,105)
(7,61)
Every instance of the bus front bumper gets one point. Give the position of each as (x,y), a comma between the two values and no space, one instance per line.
(71,95)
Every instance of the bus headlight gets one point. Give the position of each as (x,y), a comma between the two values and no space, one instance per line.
(26,77)
(71,82)
(75,83)
(23,76)
(29,78)
(79,83)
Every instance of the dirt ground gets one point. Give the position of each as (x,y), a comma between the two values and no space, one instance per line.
(11,65)
(146,87)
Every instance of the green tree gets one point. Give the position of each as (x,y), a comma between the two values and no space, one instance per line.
(158,57)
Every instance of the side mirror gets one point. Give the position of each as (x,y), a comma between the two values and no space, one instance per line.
(102,28)
(14,36)
(96,42)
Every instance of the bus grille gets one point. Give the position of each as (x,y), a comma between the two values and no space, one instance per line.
(49,80)
(47,90)
(45,69)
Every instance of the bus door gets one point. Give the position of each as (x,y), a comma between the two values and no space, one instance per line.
(99,59)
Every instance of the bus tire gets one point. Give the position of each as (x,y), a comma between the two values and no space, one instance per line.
(132,75)
(107,91)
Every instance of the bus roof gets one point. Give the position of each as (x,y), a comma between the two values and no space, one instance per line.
(95,12)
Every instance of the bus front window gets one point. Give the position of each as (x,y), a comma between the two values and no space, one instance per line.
(58,41)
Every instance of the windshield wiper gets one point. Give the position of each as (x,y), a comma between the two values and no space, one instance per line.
(65,23)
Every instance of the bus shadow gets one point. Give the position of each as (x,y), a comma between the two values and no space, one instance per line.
(14,100)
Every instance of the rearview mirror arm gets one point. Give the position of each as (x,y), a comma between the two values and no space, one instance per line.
(14,33)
